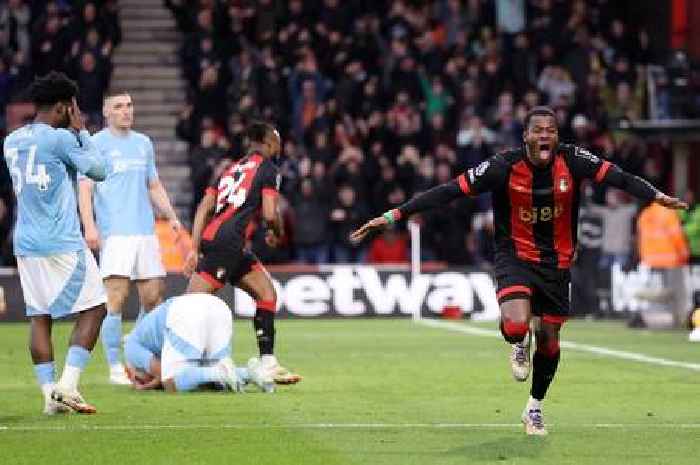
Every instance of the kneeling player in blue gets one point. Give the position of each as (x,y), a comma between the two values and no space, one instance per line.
(184,344)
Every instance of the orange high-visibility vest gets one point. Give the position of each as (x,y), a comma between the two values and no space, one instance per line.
(662,243)
(174,248)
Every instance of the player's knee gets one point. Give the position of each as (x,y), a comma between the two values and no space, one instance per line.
(151,295)
(547,345)
(267,300)
(514,331)
(116,300)
(150,301)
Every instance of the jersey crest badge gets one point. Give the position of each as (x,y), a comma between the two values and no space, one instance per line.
(563,184)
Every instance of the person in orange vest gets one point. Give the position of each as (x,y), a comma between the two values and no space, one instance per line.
(663,247)
(174,246)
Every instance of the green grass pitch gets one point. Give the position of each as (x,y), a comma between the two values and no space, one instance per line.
(375,392)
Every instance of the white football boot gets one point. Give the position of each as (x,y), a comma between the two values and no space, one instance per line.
(72,400)
(51,407)
(228,373)
(260,375)
(534,422)
(280,374)
(520,358)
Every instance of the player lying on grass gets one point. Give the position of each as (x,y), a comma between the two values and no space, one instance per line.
(184,344)
(535,192)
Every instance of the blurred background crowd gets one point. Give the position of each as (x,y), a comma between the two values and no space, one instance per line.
(378,100)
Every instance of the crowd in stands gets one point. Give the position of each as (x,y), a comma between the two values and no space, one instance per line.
(379,100)
(38,36)
(376,100)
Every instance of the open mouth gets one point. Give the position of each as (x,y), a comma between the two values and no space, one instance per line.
(544,151)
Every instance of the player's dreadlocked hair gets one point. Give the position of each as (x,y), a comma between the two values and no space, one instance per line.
(538,111)
(55,87)
(257,131)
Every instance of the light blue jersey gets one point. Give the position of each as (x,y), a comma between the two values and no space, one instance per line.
(43,162)
(121,202)
(147,339)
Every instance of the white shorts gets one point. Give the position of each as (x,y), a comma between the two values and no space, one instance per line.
(59,285)
(134,257)
(198,329)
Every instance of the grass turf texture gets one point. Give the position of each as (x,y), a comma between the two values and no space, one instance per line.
(381,386)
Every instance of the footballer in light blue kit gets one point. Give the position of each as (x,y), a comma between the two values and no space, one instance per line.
(118,218)
(185,343)
(59,275)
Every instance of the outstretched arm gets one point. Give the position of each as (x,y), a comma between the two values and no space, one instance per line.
(590,166)
(639,188)
(435,197)
(489,175)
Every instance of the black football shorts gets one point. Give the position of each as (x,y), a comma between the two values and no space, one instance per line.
(548,289)
(220,264)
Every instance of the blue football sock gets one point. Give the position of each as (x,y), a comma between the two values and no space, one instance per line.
(192,377)
(77,357)
(45,373)
(112,337)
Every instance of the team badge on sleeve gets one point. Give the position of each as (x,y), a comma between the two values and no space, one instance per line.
(478,171)
(583,153)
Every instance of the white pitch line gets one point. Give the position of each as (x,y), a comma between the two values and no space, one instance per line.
(621,354)
(322,426)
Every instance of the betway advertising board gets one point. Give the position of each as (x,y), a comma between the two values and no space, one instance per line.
(340,291)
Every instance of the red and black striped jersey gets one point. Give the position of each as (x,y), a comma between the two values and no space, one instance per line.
(535,208)
(239,192)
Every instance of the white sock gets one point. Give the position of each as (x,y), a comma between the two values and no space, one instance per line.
(534,404)
(268,360)
(70,377)
(46,389)
(117,367)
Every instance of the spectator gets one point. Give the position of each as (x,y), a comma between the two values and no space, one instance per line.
(691,226)
(617,220)
(474,142)
(15,18)
(311,226)
(662,246)
(391,247)
(346,215)
(210,99)
(92,76)
(50,47)
(204,160)
(556,83)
